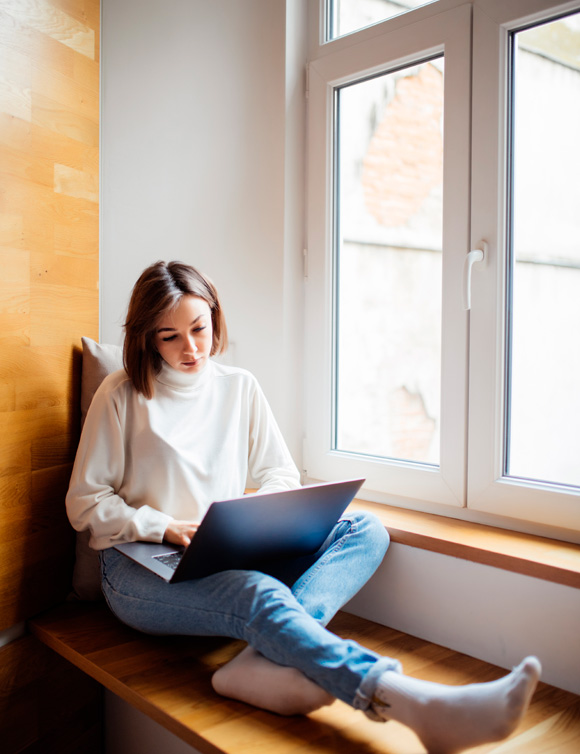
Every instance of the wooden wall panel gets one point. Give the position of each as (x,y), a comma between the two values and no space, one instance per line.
(49,215)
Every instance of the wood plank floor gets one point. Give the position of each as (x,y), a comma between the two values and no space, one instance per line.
(169,680)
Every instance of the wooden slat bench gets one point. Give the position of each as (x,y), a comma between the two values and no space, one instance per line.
(169,679)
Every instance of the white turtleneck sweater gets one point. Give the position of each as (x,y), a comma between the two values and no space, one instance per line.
(141,463)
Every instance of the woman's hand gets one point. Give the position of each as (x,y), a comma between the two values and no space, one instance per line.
(180,532)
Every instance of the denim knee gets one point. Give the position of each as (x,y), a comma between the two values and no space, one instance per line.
(258,591)
(375,535)
(261,602)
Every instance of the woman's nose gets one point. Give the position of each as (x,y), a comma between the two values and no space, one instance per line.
(191,345)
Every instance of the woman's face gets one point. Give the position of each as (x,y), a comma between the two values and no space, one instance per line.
(184,336)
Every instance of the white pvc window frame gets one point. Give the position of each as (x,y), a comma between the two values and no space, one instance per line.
(474,40)
(489,490)
(388,47)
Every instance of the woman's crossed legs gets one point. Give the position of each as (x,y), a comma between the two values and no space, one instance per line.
(285,626)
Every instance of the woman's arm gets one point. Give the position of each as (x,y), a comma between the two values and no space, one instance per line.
(270,462)
(92,501)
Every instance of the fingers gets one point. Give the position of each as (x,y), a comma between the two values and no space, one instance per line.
(180,532)
(181,538)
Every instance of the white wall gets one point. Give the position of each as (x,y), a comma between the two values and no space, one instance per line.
(202,127)
(497,616)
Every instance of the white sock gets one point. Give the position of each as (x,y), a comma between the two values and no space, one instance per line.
(253,679)
(449,719)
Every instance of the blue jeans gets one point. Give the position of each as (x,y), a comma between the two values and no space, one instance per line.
(285,623)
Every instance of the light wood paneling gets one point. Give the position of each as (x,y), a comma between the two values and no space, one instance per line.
(49,136)
(49,167)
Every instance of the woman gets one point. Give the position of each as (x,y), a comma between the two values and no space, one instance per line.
(174,431)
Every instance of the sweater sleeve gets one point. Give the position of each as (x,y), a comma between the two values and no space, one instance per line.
(270,463)
(92,501)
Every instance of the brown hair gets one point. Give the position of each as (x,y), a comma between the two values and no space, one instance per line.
(158,291)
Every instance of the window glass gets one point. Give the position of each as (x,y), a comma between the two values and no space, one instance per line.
(388,252)
(543,406)
(346,16)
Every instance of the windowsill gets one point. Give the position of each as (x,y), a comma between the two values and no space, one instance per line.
(540,557)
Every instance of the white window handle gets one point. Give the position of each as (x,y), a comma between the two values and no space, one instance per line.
(476,255)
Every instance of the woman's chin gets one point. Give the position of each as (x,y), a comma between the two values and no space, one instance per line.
(190,367)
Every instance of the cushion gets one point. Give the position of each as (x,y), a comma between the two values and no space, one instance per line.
(99,360)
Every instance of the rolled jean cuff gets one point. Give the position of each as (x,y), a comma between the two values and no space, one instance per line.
(364,694)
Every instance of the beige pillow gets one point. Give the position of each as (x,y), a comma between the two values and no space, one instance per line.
(99,360)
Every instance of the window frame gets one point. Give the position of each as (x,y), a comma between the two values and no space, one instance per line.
(329,27)
(407,44)
(473,343)
(489,490)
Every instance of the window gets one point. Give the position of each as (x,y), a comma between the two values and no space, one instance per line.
(431,135)
(388,243)
(523,376)
(359,101)
(346,16)
(543,369)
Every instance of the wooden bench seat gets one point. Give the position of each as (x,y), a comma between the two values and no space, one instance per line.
(168,679)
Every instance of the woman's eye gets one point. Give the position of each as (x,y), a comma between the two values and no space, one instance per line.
(169,337)
(199,329)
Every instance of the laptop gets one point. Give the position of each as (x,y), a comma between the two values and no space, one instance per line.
(263,532)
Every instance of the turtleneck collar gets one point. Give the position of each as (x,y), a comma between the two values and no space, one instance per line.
(176,380)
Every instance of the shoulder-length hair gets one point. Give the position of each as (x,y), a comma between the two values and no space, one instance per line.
(156,293)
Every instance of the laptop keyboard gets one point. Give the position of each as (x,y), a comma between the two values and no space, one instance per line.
(171,559)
